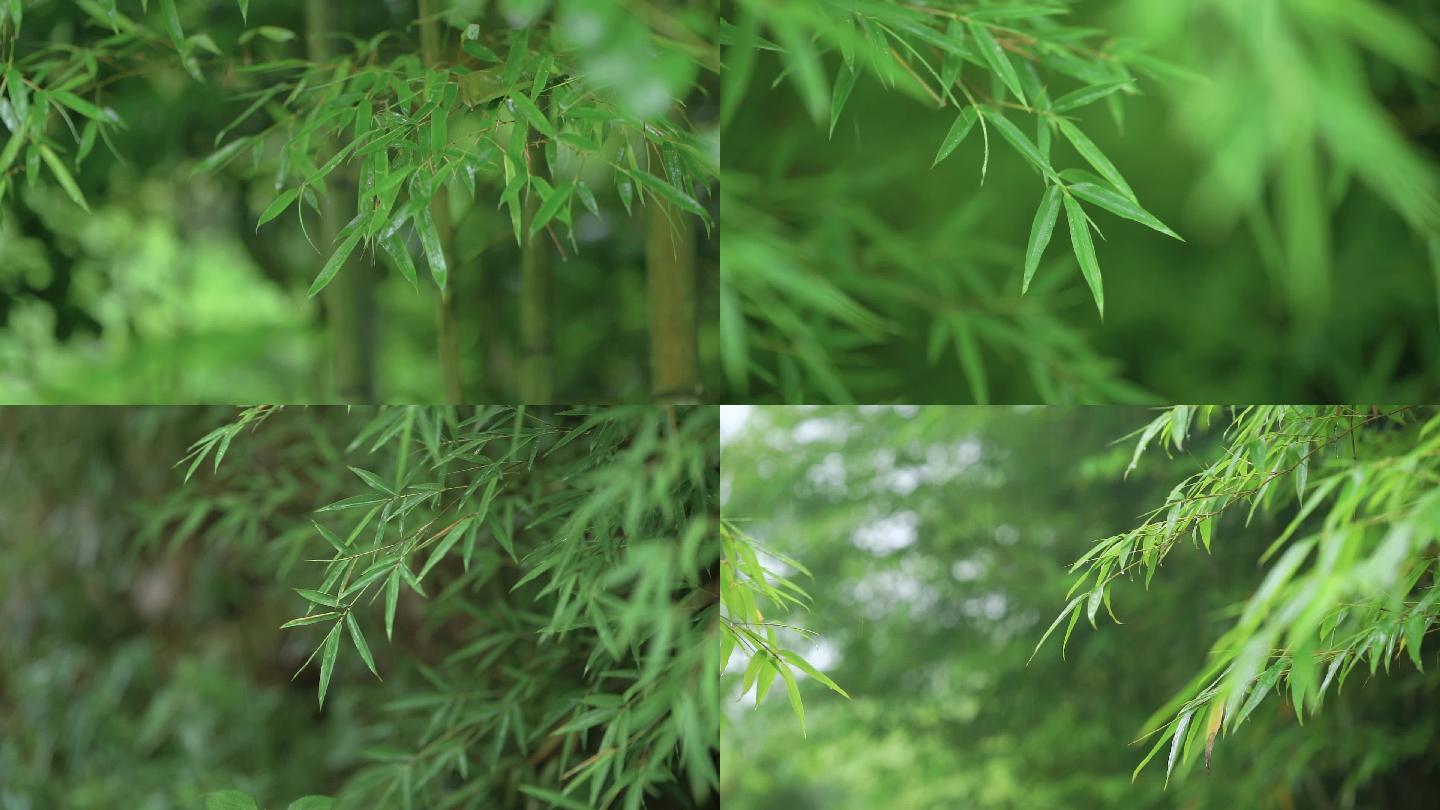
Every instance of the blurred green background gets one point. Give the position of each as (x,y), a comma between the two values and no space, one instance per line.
(167,293)
(140,666)
(939,539)
(1292,144)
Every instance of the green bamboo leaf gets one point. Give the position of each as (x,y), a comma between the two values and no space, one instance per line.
(373,480)
(1175,743)
(172,24)
(434,251)
(79,105)
(1094,156)
(964,122)
(312,803)
(245,11)
(1116,204)
(805,667)
(400,255)
(792,691)
(672,194)
(392,595)
(552,205)
(844,83)
(532,113)
(1089,95)
(220,156)
(1085,250)
(446,543)
(1017,139)
(802,62)
(360,646)
(1040,232)
(1063,613)
(278,206)
(337,259)
(304,620)
(331,646)
(63,175)
(997,59)
(555,798)
(318,598)
(330,537)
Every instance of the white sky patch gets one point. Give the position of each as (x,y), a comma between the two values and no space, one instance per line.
(887,534)
(732,421)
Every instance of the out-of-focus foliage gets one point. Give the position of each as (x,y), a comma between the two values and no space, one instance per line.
(537,588)
(1290,143)
(513,152)
(940,541)
(1350,584)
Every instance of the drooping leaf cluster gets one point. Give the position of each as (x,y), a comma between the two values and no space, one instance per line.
(1350,586)
(1008,70)
(748,582)
(539,585)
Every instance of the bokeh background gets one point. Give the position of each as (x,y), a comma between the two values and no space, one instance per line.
(1292,144)
(140,664)
(939,539)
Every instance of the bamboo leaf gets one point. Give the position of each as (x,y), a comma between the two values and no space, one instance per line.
(1085,251)
(792,691)
(1094,156)
(430,242)
(372,480)
(1018,140)
(840,93)
(392,596)
(997,59)
(359,640)
(337,260)
(331,646)
(805,667)
(1089,95)
(1040,232)
(278,206)
(551,207)
(57,167)
(1175,743)
(964,122)
(400,255)
(172,24)
(532,113)
(671,194)
(304,620)
(1116,204)
(318,598)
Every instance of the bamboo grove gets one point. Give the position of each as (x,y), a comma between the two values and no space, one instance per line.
(384,146)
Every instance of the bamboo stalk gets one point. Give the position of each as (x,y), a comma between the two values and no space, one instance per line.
(446,321)
(348,300)
(670,270)
(537,284)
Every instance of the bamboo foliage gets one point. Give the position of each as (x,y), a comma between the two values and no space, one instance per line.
(1351,585)
(560,567)
(432,133)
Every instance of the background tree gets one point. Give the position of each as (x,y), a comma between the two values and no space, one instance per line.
(940,542)
(895,174)
(536,588)
(490,145)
